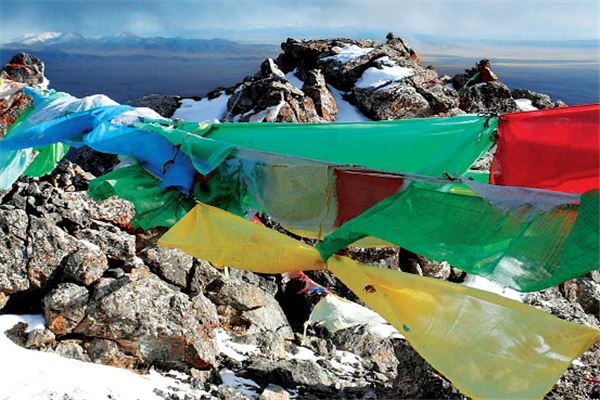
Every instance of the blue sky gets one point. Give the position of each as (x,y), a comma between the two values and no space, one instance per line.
(272,20)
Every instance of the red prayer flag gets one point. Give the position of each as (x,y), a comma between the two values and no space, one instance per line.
(358,190)
(556,149)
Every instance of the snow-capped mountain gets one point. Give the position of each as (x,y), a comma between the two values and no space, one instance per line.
(130,44)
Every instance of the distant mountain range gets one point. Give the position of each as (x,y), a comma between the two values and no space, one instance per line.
(129,44)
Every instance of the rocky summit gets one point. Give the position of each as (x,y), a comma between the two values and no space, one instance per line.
(110,295)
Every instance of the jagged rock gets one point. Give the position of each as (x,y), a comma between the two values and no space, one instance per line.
(47,245)
(359,340)
(18,334)
(87,264)
(164,105)
(270,68)
(538,100)
(202,273)
(274,392)
(172,265)
(72,349)
(3,300)
(552,301)
(107,352)
(271,99)
(13,255)
(114,243)
(265,282)
(316,88)
(40,338)
(488,97)
(289,373)
(247,308)
(585,291)
(23,68)
(152,321)
(394,101)
(64,307)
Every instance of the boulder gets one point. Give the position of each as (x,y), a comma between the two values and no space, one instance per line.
(164,105)
(172,265)
(246,309)
(539,100)
(316,88)
(87,264)
(23,68)
(488,98)
(378,351)
(72,349)
(152,321)
(64,307)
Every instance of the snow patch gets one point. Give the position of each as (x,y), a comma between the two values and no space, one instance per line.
(304,354)
(245,386)
(235,351)
(346,112)
(37,375)
(347,53)
(375,77)
(482,283)
(203,110)
(336,313)
(525,105)
(293,79)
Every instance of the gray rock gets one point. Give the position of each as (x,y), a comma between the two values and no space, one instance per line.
(164,105)
(288,373)
(316,88)
(47,245)
(488,97)
(115,244)
(13,252)
(107,352)
(202,273)
(274,392)
(172,265)
(64,307)
(378,351)
(72,349)
(248,307)
(87,264)
(152,321)
(539,100)
(394,101)
(40,339)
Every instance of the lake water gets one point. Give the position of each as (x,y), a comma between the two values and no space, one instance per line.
(129,77)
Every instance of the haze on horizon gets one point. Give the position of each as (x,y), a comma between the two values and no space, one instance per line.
(271,21)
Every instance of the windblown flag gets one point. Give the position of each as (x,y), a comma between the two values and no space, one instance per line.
(528,240)
(556,149)
(508,349)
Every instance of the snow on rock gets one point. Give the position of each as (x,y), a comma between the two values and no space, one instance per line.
(202,110)
(346,112)
(236,351)
(336,313)
(348,52)
(302,353)
(525,105)
(247,387)
(482,283)
(33,375)
(375,77)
